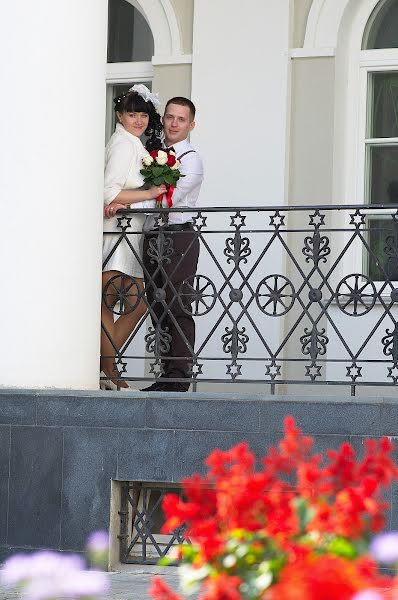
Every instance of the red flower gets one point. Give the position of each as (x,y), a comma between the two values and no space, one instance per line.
(325,578)
(222,587)
(159,590)
(299,509)
(154,153)
(171,160)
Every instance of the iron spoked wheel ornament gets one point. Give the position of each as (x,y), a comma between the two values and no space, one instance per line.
(356,295)
(277,293)
(122,294)
(199,292)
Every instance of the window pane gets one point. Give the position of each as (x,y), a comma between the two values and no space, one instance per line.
(129,36)
(383,174)
(384,27)
(384,105)
(383,242)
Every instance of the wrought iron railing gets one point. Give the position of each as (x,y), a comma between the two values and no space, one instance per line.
(141,519)
(281,295)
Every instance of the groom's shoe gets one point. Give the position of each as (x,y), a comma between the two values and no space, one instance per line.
(158,386)
(175,387)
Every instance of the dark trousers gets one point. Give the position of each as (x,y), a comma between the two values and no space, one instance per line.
(170,260)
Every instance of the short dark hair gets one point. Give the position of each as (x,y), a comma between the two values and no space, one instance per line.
(183,102)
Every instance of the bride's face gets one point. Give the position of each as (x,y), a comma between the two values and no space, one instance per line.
(134,122)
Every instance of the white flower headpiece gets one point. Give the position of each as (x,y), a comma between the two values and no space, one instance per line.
(143,91)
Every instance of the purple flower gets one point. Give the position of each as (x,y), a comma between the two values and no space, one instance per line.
(98,542)
(368,595)
(384,547)
(81,584)
(48,575)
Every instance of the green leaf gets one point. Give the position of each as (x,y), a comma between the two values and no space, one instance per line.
(165,561)
(342,547)
(158,181)
(157,171)
(169,179)
(304,512)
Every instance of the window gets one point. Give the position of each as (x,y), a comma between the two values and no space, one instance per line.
(130,50)
(382,29)
(129,36)
(381,139)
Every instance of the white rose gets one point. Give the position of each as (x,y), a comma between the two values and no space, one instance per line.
(147,160)
(176,165)
(162,158)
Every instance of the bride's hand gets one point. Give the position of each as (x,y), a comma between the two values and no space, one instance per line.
(112,208)
(157,190)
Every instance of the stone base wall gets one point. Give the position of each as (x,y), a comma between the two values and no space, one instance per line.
(60,451)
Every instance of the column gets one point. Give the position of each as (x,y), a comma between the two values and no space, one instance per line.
(52,111)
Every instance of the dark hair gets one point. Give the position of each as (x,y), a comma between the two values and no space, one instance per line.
(181,101)
(133,102)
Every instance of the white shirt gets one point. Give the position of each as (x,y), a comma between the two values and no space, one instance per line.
(187,190)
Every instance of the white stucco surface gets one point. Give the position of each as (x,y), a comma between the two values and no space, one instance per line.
(51,179)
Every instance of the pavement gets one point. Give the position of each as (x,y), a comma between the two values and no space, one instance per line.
(134,583)
(130,584)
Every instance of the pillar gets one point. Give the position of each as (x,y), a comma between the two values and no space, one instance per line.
(52,111)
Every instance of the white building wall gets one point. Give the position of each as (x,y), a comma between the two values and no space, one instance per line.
(240,85)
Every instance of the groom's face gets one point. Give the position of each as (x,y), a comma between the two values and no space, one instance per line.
(177,123)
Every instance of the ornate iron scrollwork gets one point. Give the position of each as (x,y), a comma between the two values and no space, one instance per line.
(235,341)
(160,248)
(279,293)
(237,249)
(357,292)
(314,342)
(158,340)
(391,251)
(390,343)
(316,248)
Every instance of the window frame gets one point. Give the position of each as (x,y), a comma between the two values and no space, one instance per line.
(371,61)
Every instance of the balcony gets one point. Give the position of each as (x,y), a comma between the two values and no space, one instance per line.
(286,297)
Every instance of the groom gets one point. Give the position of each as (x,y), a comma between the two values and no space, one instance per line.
(163,278)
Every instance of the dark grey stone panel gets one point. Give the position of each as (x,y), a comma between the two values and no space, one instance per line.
(187,413)
(5,439)
(17,409)
(393,515)
(90,461)
(115,410)
(35,487)
(389,419)
(193,447)
(322,418)
(146,455)
(326,442)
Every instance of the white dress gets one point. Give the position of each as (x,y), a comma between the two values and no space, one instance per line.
(123,161)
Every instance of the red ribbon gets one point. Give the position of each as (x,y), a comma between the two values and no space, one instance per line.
(169,196)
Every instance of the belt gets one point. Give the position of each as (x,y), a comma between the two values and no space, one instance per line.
(173,227)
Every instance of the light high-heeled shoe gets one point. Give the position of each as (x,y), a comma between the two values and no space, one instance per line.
(108,384)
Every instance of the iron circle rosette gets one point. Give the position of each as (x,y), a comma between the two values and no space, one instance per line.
(356,295)
(276,292)
(200,292)
(122,294)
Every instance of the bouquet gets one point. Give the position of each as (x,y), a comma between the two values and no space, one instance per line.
(162,167)
(297,528)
